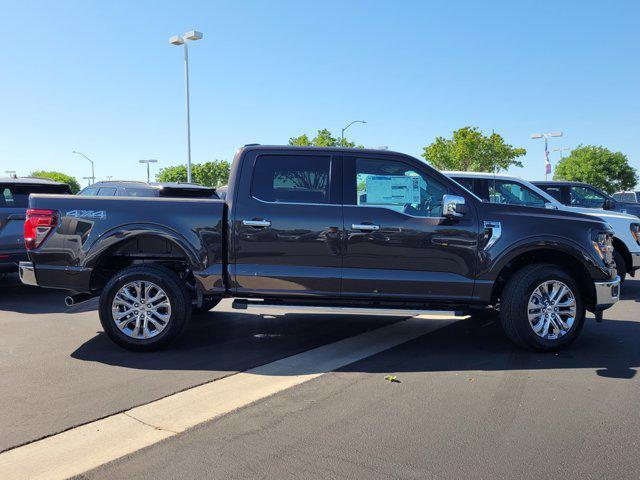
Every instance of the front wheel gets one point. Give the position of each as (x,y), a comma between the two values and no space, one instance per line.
(144,308)
(542,308)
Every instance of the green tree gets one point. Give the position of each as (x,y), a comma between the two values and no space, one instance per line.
(598,166)
(58,177)
(324,138)
(471,151)
(210,174)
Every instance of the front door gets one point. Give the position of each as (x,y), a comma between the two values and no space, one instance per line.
(287,224)
(397,243)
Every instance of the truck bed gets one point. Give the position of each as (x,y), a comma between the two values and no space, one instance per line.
(171,229)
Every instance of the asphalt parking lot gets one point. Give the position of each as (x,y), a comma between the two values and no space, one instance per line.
(467,405)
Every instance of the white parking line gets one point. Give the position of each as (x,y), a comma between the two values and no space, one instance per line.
(88,446)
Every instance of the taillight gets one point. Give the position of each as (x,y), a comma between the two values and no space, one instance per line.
(37,226)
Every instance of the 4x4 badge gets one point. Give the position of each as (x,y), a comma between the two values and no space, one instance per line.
(95,214)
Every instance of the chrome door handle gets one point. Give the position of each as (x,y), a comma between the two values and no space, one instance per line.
(256,223)
(365,226)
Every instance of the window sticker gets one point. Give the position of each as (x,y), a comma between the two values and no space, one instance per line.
(392,189)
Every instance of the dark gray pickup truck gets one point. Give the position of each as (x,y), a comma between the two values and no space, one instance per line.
(322,227)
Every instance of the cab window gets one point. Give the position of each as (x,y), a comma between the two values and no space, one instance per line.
(555,192)
(89,191)
(586,197)
(397,186)
(291,178)
(106,192)
(514,193)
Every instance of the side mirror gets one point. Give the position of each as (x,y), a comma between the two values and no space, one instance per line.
(453,206)
(609,204)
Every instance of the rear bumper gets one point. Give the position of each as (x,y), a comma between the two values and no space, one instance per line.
(607,293)
(53,276)
(27,273)
(9,260)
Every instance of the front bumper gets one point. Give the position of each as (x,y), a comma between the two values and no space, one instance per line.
(27,273)
(607,293)
(635,260)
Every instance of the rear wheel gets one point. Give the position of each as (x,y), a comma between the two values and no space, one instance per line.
(621,265)
(144,308)
(542,308)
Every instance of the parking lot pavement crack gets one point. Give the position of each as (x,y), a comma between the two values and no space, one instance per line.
(149,424)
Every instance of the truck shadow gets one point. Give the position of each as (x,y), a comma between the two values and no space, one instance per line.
(220,342)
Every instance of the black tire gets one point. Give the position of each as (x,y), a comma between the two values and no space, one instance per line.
(621,265)
(207,304)
(514,307)
(176,293)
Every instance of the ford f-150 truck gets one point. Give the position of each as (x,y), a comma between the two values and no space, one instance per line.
(322,227)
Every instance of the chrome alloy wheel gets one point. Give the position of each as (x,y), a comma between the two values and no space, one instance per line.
(552,309)
(141,309)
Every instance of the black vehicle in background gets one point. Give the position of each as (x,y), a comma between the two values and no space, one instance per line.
(126,188)
(323,227)
(578,194)
(14,200)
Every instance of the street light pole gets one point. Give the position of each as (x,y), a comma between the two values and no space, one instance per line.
(88,179)
(546,136)
(183,40)
(345,128)
(93,175)
(561,149)
(151,160)
(11,173)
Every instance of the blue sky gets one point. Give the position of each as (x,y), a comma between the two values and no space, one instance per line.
(101,77)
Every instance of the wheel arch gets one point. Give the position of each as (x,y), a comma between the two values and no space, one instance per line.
(138,244)
(562,257)
(622,249)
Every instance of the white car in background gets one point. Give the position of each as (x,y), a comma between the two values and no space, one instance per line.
(499,188)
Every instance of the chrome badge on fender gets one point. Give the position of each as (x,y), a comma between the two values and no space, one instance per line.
(95,214)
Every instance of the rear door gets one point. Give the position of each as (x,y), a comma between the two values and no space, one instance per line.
(287,224)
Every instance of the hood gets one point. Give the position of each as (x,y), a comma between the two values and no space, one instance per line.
(608,215)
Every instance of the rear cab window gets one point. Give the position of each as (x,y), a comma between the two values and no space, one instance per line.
(555,192)
(292,179)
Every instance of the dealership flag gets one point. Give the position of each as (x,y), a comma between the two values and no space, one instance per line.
(547,163)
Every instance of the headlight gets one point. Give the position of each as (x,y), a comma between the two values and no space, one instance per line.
(603,245)
(635,231)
